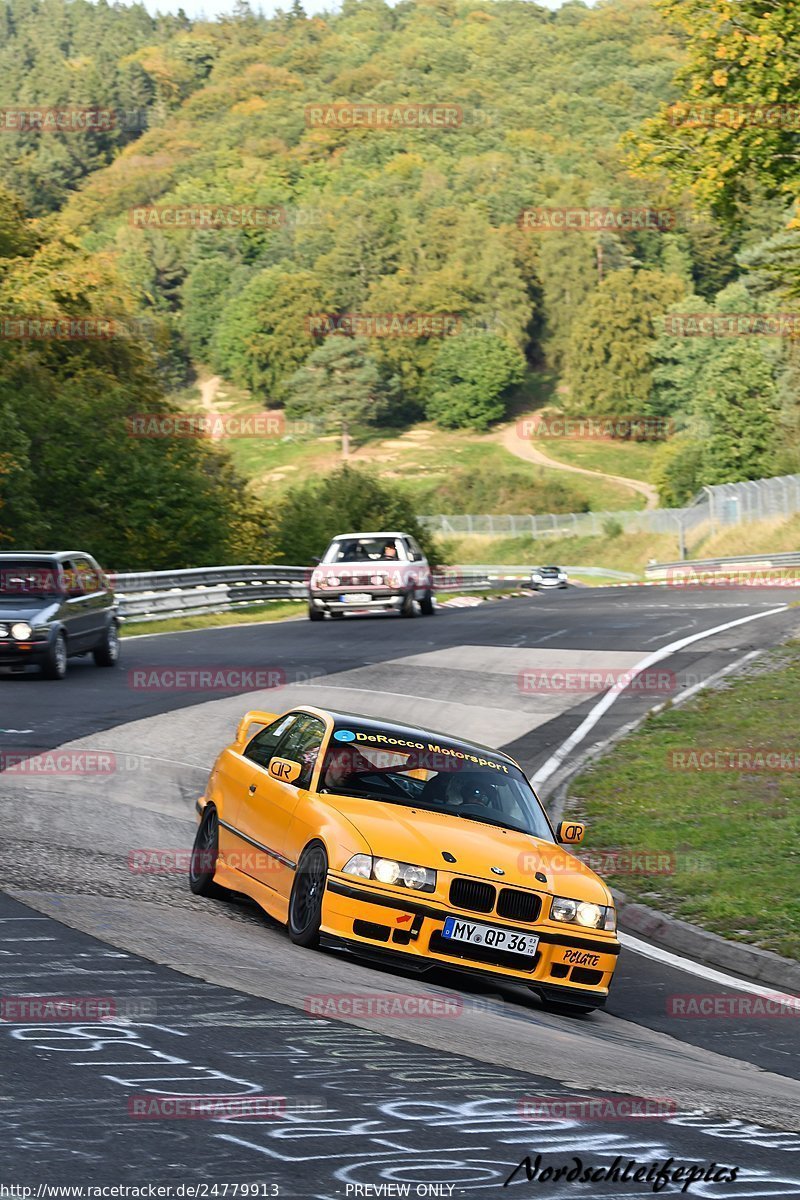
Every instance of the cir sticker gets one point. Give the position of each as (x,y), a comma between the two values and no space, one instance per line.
(344,735)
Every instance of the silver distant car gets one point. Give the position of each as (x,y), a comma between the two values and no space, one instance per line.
(371,572)
(548,577)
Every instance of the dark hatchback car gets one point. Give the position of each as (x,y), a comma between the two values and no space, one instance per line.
(54,605)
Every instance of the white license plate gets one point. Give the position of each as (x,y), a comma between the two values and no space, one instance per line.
(509,940)
(356,598)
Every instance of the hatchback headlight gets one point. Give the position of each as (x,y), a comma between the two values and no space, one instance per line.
(21,631)
(581,912)
(3,631)
(389,870)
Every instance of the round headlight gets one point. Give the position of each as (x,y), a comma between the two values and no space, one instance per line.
(386,870)
(414,877)
(22,631)
(3,631)
(588,915)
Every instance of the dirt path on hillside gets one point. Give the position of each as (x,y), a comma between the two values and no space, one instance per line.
(517,446)
(208,392)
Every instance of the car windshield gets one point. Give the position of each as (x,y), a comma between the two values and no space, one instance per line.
(20,578)
(434,777)
(366,550)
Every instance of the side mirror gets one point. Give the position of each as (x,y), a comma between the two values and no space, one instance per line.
(570,832)
(284,769)
(316,560)
(253,718)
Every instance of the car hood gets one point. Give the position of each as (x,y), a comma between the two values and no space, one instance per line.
(12,608)
(414,835)
(366,570)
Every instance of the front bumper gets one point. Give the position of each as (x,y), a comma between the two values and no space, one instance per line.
(378,602)
(15,655)
(573,966)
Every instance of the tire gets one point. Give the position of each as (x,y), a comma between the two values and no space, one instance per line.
(203,862)
(426,605)
(55,665)
(314,614)
(409,608)
(106,652)
(308,890)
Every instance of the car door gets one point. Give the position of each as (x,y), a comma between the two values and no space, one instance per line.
(235,772)
(95,595)
(266,811)
(421,571)
(77,608)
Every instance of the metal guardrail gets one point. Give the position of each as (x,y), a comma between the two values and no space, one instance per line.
(159,595)
(774,562)
(523,571)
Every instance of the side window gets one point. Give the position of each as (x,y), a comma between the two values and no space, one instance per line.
(87,575)
(302,745)
(73,577)
(261,748)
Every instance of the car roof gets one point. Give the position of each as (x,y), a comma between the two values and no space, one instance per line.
(370,533)
(408,732)
(24,555)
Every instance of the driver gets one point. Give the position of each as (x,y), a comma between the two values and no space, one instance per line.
(342,763)
(470,788)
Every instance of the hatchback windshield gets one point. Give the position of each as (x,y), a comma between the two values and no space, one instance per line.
(29,578)
(436,780)
(366,550)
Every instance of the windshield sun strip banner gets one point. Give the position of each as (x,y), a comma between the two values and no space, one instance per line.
(375,740)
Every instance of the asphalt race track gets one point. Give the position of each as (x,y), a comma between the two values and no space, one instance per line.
(208,987)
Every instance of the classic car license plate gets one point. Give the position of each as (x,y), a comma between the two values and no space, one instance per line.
(356,598)
(510,940)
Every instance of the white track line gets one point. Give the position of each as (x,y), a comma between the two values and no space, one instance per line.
(551,765)
(710,973)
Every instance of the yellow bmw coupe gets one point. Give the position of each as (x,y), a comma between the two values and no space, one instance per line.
(400,844)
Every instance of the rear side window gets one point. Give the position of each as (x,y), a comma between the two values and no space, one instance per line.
(262,747)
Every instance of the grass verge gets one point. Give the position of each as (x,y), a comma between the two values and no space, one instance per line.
(732,834)
(274,610)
